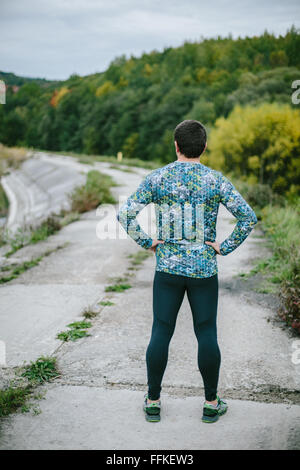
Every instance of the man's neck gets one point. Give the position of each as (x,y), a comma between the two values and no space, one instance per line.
(182,158)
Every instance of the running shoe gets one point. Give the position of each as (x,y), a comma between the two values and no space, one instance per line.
(211,413)
(151,410)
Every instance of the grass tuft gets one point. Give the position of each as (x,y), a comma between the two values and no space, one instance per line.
(42,370)
(89,312)
(117,287)
(77,330)
(139,257)
(13,398)
(106,303)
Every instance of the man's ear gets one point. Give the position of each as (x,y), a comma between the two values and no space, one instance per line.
(176,146)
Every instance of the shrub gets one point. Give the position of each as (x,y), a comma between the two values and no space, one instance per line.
(261,141)
(289,310)
(95,191)
(282,226)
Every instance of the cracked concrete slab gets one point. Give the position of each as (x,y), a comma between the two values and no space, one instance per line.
(89,418)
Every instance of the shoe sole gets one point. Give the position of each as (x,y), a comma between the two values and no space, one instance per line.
(151,418)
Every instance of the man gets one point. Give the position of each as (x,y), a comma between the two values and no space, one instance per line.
(186,195)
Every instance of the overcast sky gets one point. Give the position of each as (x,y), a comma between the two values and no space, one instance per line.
(55,38)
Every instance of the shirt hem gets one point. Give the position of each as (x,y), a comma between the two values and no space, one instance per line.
(194,275)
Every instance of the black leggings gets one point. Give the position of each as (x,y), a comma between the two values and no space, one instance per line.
(168,294)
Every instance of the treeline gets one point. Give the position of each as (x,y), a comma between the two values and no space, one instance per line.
(135,104)
(10,79)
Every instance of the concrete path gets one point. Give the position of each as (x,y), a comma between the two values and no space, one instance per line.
(97,402)
(37,189)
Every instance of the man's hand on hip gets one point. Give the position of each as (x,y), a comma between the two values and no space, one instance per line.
(154,244)
(215,245)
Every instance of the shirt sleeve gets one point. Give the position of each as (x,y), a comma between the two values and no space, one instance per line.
(127,215)
(239,208)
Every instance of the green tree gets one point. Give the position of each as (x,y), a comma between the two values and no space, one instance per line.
(259,142)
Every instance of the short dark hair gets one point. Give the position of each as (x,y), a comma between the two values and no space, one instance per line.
(190,136)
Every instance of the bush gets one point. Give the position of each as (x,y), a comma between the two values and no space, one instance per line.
(95,191)
(289,310)
(259,196)
(260,142)
(282,226)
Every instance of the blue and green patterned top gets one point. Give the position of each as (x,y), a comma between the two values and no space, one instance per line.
(187,197)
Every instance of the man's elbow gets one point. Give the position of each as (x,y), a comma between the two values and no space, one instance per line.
(253,219)
(120,214)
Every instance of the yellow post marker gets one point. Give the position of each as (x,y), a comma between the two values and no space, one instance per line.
(119,156)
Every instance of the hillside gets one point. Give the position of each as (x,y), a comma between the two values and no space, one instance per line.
(135,104)
(11,79)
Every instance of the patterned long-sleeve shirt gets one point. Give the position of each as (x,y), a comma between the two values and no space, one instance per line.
(187,196)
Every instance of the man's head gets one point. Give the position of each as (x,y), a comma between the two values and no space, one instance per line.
(191,138)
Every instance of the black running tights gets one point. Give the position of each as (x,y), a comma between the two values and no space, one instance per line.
(168,294)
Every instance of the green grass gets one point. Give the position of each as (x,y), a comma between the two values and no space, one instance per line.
(16,241)
(68,217)
(279,219)
(117,287)
(13,398)
(139,257)
(137,162)
(78,325)
(281,225)
(42,370)
(106,303)
(20,269)
(120,168)
(95,191)
(3,202)
(89,312)
(16,271)
(50,226)
(30,235)
(77,330)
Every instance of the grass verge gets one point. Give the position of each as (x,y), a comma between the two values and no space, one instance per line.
(3,202)
(17,270)
(137,162)
(16,396)
(282,226)
(279,220)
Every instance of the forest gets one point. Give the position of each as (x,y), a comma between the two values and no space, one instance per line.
(240,89)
